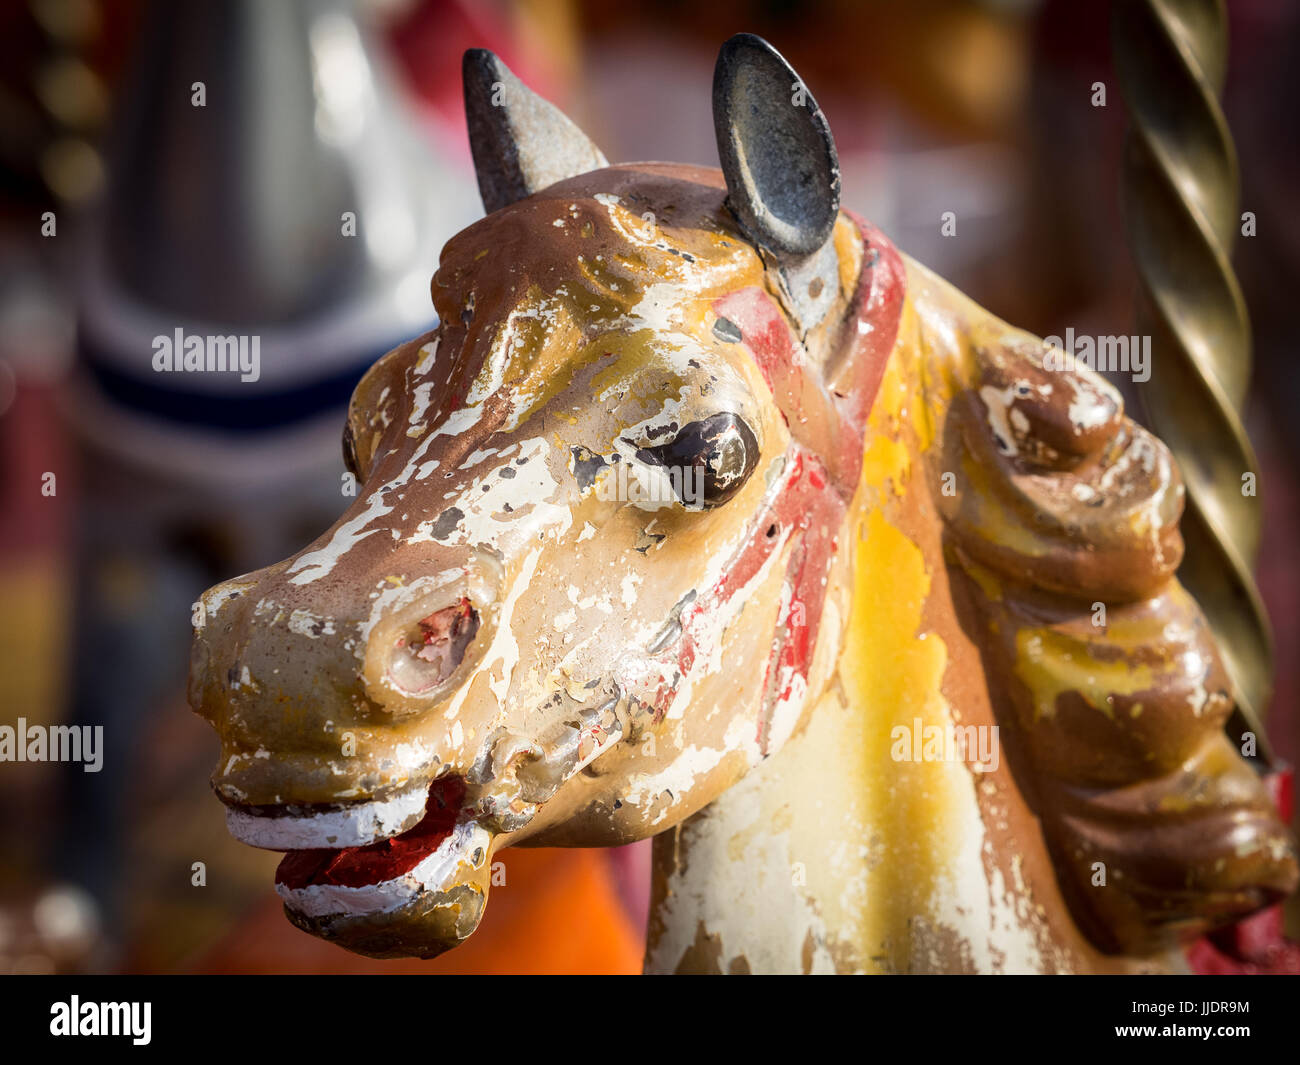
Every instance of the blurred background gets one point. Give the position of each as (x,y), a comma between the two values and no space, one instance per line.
(194,165)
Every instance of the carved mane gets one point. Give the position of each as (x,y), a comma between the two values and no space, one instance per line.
(1061,519)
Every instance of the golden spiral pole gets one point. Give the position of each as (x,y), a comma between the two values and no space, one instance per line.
(1180,195)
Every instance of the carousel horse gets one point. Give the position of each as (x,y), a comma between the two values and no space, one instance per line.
(707,515)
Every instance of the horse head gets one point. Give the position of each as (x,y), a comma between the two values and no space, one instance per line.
(603,558)
(582,587)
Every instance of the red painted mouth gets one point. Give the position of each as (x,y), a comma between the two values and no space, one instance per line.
(382,861)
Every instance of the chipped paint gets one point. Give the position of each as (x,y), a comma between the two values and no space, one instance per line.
(588,670)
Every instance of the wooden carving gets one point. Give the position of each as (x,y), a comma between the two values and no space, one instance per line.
(707,515)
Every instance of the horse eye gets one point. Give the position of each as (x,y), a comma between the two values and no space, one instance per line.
(350,452)
(708,461)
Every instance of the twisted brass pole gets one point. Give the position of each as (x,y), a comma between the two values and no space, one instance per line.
(1180,186)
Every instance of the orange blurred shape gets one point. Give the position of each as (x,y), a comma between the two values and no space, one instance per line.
(556,913)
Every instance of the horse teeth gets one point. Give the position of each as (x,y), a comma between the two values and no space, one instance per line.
(350,825)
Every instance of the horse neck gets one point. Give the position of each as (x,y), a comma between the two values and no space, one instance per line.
(841,852)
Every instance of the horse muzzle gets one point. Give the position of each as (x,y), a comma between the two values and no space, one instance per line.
(416,894)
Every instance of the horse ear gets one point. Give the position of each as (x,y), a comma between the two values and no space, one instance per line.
(520,142)
(776,148)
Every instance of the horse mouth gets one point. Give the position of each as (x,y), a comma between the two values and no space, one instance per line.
(407,873)
(419,892)
(336,825)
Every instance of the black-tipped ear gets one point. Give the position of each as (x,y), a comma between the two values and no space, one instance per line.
(520,142)
(777,153)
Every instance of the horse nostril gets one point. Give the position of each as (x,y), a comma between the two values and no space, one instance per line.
(427,654)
